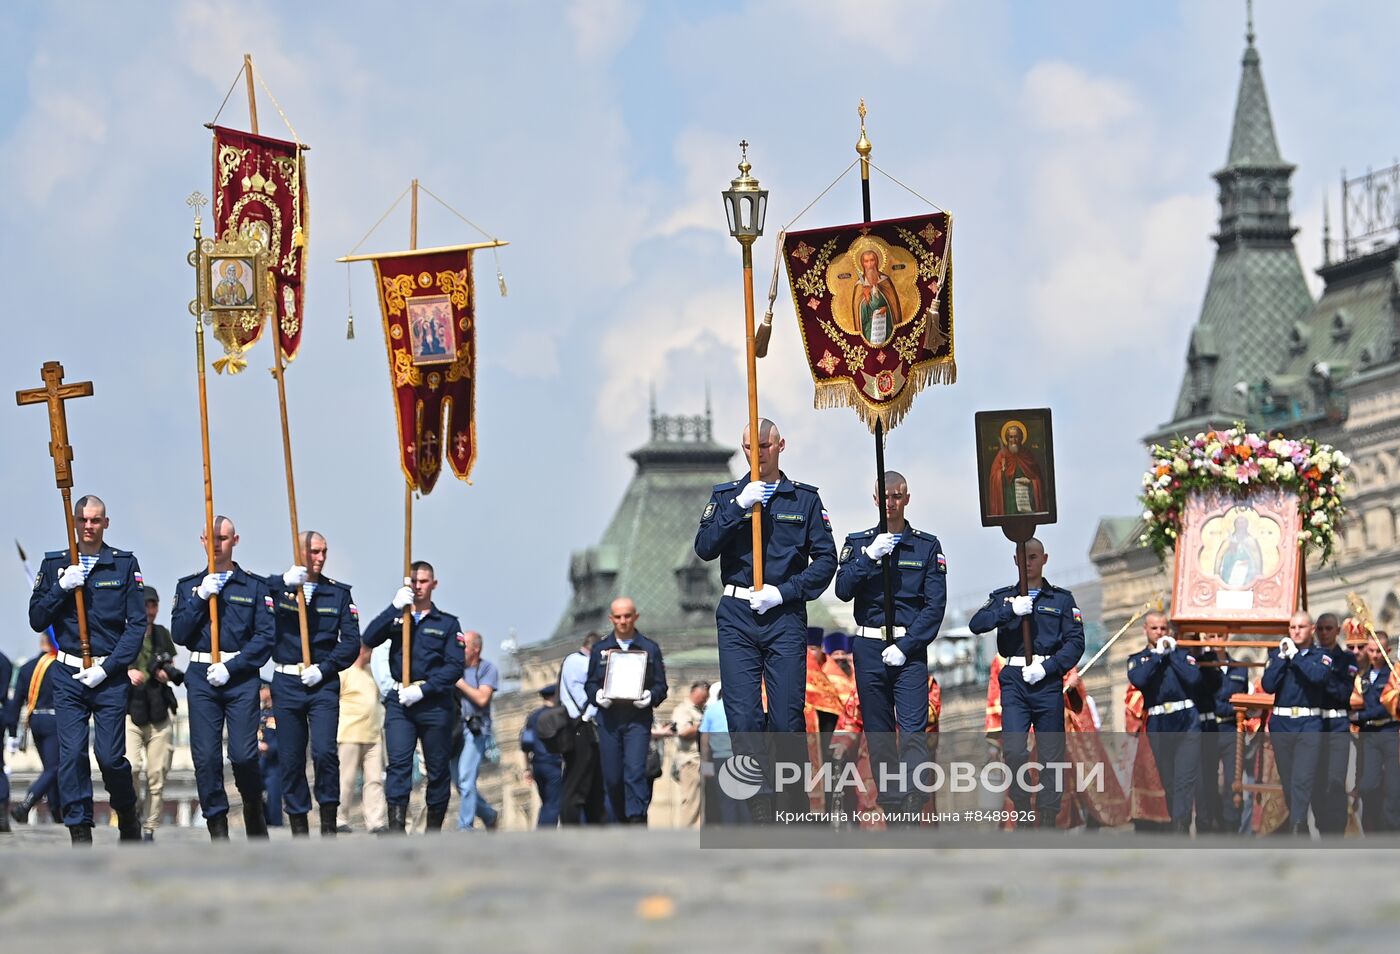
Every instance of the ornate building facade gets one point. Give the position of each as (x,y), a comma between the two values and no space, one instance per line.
(1265,352)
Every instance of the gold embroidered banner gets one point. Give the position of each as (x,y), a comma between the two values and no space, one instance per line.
(874,303)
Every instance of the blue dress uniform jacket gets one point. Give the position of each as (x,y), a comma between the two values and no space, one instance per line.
(624,731)
(116,607)
(920,586)
(1296,683)
(246,627)
(436,664)
(114,591)
(895,697)
(766,649)
(1330,792)
(1057,629)
(1371,711)
(6,725)
(1171,679)
(1377,756)
(311,714)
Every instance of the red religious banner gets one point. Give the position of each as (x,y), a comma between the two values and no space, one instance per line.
(875,305)
(430,331)
(260,192)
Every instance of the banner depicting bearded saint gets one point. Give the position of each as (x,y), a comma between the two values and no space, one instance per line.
(874,303)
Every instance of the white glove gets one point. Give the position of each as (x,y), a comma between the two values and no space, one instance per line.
(1157,648)
(310,676)
(410,695)
(404,597)
(881,546)
(1022,605)
(71,578)
(893,656)
(750,495)
(211,585)
(1287,648)
(1033,673)
(765,599)
(295,575)
(217,674)
(1166,644)
(92,677)
(644,700)
(604,702)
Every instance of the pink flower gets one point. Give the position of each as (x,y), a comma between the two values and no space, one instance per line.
(1247,471)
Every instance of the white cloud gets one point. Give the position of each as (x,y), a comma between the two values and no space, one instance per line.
(602,27)
(1064,98)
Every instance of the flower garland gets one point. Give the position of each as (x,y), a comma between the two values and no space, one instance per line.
(1238,462)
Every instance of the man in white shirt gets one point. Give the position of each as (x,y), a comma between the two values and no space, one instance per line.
(582,800)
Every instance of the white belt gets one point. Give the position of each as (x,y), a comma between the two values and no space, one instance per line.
(1296,712)
(77,661)
(34,712)
(1209,717)
(1378,723)
(1336,714)
(878,632)
(289,669)
(208,658)
(1021,660)
(744,593)
(1169,707)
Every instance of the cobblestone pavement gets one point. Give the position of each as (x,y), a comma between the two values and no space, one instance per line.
(627,890)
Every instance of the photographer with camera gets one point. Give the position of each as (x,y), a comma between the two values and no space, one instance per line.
(478,684)
(150,732)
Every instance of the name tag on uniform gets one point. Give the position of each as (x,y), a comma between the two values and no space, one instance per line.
(912,564)
(288,606)
(789,518)
(107,583)
(1048,610)
(327,610)
(432,632)
(246,600)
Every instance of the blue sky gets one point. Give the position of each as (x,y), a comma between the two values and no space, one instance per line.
(1073,142)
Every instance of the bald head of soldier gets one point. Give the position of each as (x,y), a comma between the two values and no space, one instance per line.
(1326,629)
(770,445)
(896,499)
(1300,629)
(1154,626)
(1036,558)
(623,614)
(90,523)
(313,553)
(225,539)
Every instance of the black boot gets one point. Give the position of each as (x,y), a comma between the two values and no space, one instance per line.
(218,828)
(435,818)
(81,834)
(20,813)
(398,819)
(255,818)
(129,825)
(298,824)
(1301,830)
(4,815)
(328,812)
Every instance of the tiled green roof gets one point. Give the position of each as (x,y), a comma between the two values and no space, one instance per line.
(1252,140)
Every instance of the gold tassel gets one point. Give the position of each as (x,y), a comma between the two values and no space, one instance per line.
(298,238)
(350,327)
(761,336)
(501,282)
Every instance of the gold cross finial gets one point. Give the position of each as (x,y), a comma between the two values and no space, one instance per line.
(196,201)
(744,148)
(863,145)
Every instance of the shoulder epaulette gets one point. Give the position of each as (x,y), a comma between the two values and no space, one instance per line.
(862,533)
(812,487)
(56,555)
(727,486)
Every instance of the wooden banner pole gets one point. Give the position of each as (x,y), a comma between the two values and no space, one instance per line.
(408,493)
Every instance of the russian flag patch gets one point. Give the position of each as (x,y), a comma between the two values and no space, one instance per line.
(268,600)
(354,611)
(826,519)
(140,580)
(942,563)
(1078,616)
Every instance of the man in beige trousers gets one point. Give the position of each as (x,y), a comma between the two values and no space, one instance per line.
(685,725)
(360,740)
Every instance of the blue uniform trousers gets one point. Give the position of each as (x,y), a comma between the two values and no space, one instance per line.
(43,729)
(213,710)
(1297,750)
(74,705)
(623,742)
(1209,808)
(549,782)
(1330,786)
(893,698)
(1175,738)
(1378,778)
(1024,706)
(429,722)
(1225,742)
(272,787)
(298,708)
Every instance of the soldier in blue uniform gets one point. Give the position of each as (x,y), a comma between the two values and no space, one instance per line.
(892,678)
(308,697)
(267,756)
(114,592)
(762,634)
(425,710)
(7,724)
(1032,690)
(1168,679)
(34,692)
(1215,793)
(1377,746)
(1330,787)
(225,692)
(543,767)
(1296,675)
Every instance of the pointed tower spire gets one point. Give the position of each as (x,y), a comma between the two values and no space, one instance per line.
(1252,141)
(1326,232)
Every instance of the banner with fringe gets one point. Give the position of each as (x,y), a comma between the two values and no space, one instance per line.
(874,303)
(429,308)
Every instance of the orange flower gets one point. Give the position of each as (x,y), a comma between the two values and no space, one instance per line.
(1163,470)
(1243,451)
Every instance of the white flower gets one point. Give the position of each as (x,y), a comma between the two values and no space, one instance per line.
(1147,515)
(1341,460)
(1286,470)
(1318,518)
(1180,466)
(1305,535)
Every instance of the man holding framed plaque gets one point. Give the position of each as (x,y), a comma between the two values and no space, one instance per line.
(627,681)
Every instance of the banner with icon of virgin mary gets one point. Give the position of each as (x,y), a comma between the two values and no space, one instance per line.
(874,303)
